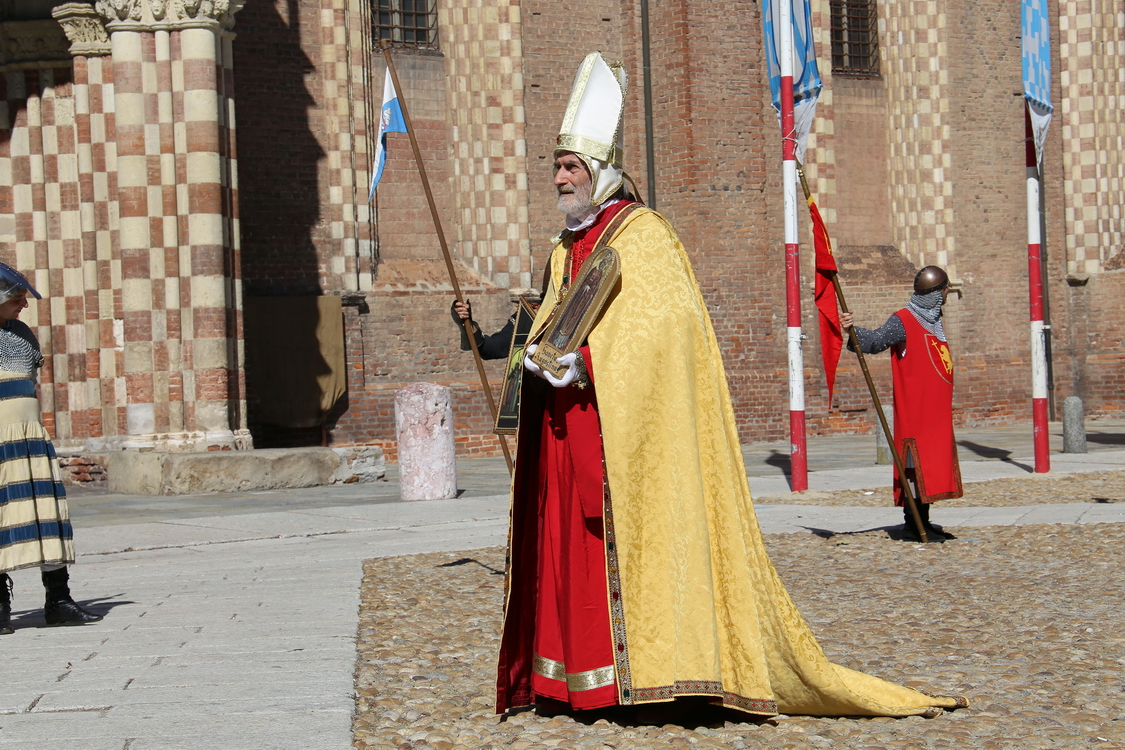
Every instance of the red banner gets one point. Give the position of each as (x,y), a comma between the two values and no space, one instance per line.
(831,337)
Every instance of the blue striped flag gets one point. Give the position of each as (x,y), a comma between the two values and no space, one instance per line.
(1035,28)
(390,121)
(806,75)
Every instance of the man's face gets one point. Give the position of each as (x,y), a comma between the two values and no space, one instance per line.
(11,309)
(572,182)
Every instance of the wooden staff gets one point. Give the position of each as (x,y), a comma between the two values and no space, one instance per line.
(910,501)
(444,247)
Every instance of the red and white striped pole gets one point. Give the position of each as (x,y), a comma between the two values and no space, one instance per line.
(1035,290)
(798,452)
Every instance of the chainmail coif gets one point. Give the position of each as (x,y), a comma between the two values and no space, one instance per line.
(926,309)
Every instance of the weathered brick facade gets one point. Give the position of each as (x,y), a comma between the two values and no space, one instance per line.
(144,249)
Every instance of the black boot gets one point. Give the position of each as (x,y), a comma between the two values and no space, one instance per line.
(933,529)
(60,609)
(6,604)
(910,532)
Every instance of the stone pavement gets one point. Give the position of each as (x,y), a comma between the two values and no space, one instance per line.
(230,619)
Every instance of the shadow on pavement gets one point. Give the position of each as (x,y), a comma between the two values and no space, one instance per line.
(782,461)
(33,617)
(986,451)
(894,532)
(470,560)
(1106,438)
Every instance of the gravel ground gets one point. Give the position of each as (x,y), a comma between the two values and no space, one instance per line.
(1027,622)
(1102,487)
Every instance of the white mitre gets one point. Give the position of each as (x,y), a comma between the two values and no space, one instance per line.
(591,127)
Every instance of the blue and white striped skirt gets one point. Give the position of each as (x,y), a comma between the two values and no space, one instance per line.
(34,519)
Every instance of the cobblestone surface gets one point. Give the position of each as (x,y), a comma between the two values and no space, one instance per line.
(1101,487)
(1026,621)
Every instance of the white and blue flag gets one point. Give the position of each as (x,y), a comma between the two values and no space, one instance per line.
(806,75)
(390,121)
(1035,28)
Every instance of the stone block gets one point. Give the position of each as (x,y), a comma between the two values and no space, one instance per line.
(427,464)
(360,463)
(153,473)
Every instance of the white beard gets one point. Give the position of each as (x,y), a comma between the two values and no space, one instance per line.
(577,204)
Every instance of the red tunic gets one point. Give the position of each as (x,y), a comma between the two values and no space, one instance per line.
(557,639)
(923,380)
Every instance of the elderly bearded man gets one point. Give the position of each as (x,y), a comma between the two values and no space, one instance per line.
(637,569)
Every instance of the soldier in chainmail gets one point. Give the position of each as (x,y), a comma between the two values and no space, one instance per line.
(922,366)
(926,309)
(35,529)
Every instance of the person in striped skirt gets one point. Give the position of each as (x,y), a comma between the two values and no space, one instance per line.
(35,528)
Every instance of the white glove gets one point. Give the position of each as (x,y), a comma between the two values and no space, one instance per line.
(570,360)
(530,366)
(571,374)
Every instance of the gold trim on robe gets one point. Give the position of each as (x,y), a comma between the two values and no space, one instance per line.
(575,681)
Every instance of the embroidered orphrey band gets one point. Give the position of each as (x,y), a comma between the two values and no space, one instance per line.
(616,609)
(705,687)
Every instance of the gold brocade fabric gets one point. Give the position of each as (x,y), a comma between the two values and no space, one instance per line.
(702,610)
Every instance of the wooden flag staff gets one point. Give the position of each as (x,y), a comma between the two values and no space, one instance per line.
(468,323)
(910,500)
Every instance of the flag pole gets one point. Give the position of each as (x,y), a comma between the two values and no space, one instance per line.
(798,455)
(1040,428)
(1035,45)
(911,503)
(468,323)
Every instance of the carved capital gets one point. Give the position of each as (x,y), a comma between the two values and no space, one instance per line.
(120,10)
(150,15)
(220,11)
(83,26)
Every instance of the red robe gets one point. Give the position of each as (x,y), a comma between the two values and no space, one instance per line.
(560,619)
(923,381)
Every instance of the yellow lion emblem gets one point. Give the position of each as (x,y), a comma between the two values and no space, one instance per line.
(942,351)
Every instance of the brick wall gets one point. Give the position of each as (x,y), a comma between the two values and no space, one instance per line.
(282,147)
(859,124)
(1089,112)
(407,336)
(921,166)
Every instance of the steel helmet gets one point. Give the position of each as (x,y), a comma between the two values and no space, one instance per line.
(930,279)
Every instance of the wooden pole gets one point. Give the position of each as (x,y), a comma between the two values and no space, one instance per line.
(910,501)
(444,247)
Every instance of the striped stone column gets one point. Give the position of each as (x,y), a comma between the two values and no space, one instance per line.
(208,334)
(134,235)
(177,232)
(89,46)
